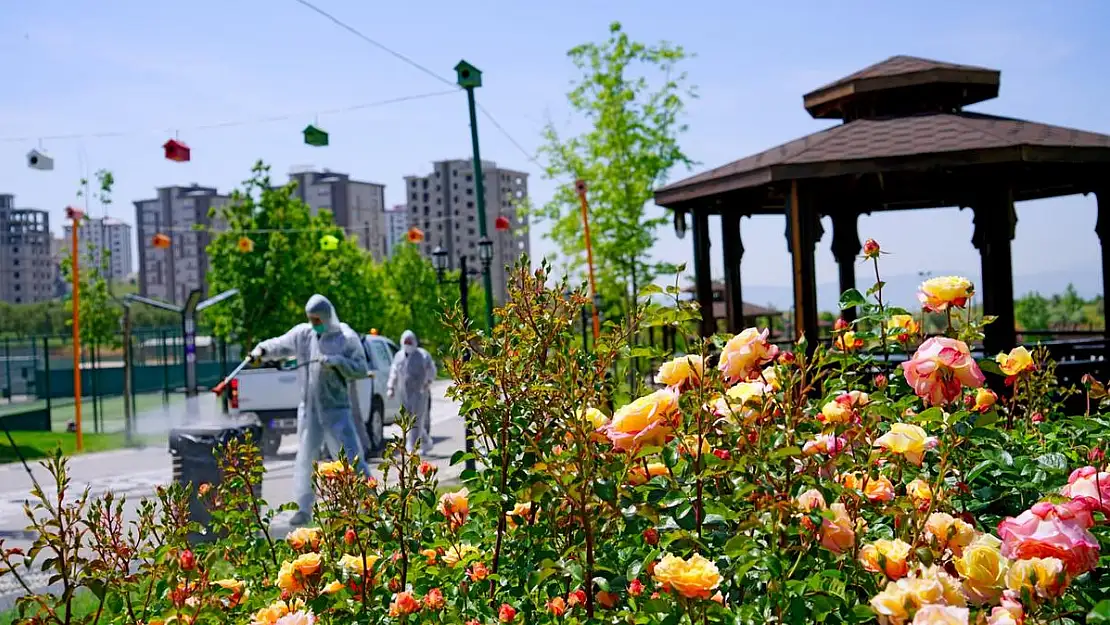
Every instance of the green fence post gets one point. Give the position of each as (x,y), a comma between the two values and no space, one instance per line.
(165,371)
(8,368)
(131,353)
(46,377)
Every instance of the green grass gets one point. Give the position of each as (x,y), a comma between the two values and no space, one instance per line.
(38,445)
(84,605)
(110,410)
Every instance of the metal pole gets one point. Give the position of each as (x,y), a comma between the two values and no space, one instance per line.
(480,189)
(76,336)
(8,368)
(93,379)
(165,371)
(46,372)
(128,425)
(585,329)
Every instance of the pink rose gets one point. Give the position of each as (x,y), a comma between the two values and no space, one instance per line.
(1091,487)
(830,444)
(940,368)
(745,354)
(1051,531)
(838,534)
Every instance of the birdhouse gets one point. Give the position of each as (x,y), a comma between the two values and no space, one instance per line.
(373,331)
(468,76)
(39,160)
(329,243)
(502,223)
(415,235)
(176,151)
(160,241)
(245,245)
(315,136)
(76,214)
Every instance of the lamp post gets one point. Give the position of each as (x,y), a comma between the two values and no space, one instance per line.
(440,261)
(469,78)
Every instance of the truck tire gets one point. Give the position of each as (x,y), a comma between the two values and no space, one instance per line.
(375,427)
(271,443)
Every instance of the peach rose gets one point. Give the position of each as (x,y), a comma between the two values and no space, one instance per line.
(745,353)
(457,553)
(984,400)
(844,409)
(1005,616)
(932,585)
(811,500)
(907,440)
(890,606)
(829,444)
(920,493)
(983,569)
(1090,486)
(594,417)
(939,294)
(941,615)
(304,538)
(434,600)
(681,372)
(1052,531)
(940,368)
(403,603)
(645,421)
(332,469)
(744,400)
(455,507)
(838,534)
(270,614)
(949,532)
(519,514)
(879,490)
(1018,360)
(636,475)
(887,557)
(693,578)
(300,617)
(1044,578)
(355,565)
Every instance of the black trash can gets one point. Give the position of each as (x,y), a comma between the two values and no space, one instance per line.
(193,449)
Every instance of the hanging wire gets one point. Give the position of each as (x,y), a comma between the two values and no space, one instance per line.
(234,123)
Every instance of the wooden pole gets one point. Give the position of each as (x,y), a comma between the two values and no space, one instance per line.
(580,186)
(76,216)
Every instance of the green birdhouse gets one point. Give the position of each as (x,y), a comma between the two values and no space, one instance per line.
(329,243)
(468,75)
(315,136)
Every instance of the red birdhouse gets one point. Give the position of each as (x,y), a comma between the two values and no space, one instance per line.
(176,151)
(416,235)
(502,223)
(160,241)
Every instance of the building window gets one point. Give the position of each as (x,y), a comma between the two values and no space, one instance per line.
(469,191)
(469,178)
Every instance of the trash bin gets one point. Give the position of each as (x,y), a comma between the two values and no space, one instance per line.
(193,449)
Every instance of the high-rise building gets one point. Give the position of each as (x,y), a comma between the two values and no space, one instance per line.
(104,233)
(26,269)
(356,206)
(396,227)
(60,249)
(170,274)
(442,204)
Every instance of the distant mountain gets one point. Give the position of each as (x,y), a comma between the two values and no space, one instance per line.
(902,290)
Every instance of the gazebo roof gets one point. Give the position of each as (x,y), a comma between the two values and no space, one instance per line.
(922,142)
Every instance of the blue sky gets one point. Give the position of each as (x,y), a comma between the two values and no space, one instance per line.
(151,69)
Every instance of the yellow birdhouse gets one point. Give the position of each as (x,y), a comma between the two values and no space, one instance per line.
(329,243)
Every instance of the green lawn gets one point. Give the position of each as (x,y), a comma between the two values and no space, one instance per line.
(109,411)
(38,445)
(84,605)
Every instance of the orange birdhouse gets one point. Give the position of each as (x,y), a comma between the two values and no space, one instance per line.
(416,235)
(160,241)
(502,223)
(245,245)
(176,151)
(373,331)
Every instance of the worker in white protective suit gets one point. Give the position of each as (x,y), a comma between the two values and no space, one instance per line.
(414,371)
(334,357)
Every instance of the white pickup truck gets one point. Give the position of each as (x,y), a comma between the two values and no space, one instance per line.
(272,391)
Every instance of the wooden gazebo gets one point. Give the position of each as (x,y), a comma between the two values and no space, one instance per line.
(905,143)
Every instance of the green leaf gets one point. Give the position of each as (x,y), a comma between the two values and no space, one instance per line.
(785,452)
(605,489)
(1100,614)
(990,365)
(930,415)
(1054,461)
(852,298)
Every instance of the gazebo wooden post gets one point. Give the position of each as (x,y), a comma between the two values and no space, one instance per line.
(995,221)
(1102,228)
(802,234)
(703,278)
(846,249)
(732,247)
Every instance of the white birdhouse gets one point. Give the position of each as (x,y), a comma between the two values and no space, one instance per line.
(39,160)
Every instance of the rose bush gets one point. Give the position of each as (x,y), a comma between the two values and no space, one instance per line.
(876,480)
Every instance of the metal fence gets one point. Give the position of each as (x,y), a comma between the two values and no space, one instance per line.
(37,377)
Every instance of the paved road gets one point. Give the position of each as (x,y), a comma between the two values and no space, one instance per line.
(136,473)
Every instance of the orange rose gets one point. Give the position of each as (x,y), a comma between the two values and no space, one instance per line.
(694,578)
(879,490)
(887,557)
(645,421)
(949,532)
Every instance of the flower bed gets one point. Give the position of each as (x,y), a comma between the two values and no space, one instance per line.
(752,485)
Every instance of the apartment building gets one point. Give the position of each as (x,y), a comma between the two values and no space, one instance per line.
(60,249)
(170,274)
(443,205)
(103,233)
(396,227)
(356,206)
(26,268)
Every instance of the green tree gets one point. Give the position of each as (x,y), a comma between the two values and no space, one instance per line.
(99,312)
(419,304)
(1032,312)
(1067,309)
(631,95)
(272,251)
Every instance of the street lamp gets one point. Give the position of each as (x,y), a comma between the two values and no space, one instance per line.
(440,262)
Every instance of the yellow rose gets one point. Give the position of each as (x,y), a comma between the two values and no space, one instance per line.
(905,323)
(1043,578)
(234,585)
(304,538)
(848,342)
(744,400)
(457,553)
(455,504)
(745,354)
(930,584)
(983,569)
(636,474)
(519,513)
(682,371)
(308,565)
(354,565)
(890,606)
(332,588)
(694,578)
(938,294)
(837,412)
(645,421)
(984,399)
(949,532)
(1019,359)
(887,557)
(941,615)
(431,554)
(907,440)
(771,376)
(594,417)
(331,469)
(920,492)
(270,614)
(287,578)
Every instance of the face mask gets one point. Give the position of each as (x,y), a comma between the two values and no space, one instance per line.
(320,329)
(409,348)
